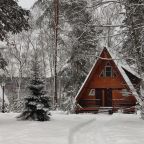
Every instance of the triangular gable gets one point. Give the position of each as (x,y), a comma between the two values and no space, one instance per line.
(119,67)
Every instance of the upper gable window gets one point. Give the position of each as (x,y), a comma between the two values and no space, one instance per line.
(108,71)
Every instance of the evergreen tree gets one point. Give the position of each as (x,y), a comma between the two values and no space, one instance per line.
(83,37)
(12,18)
(78,39)
(37,104)
(134,43)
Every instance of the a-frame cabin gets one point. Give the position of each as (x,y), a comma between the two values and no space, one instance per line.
(110,84)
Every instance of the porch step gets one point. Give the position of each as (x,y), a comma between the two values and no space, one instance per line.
(105,110)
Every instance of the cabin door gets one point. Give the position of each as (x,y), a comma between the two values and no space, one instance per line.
(99,95)
(104,97)
(107,98)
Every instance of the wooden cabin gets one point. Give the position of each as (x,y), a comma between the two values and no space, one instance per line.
(110,85)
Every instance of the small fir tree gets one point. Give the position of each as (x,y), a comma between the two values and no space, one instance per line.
(37,104)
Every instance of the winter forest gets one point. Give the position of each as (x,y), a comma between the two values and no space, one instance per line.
(52,53)
(51,48)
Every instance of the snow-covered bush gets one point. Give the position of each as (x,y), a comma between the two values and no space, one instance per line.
(68,104)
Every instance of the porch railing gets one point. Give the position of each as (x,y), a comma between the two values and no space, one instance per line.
(97,103)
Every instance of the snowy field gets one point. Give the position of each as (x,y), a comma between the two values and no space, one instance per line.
(73,129)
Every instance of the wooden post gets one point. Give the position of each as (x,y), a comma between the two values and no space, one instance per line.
(103,98)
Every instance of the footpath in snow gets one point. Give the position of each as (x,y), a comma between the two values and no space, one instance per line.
(73,129)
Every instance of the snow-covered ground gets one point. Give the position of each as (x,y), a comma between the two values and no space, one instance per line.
(73,129)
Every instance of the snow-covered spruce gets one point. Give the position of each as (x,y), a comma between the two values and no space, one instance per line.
(37,104)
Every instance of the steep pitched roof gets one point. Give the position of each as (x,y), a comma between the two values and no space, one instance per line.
(120,63)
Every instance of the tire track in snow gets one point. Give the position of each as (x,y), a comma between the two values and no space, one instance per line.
(76,129)
(90,132)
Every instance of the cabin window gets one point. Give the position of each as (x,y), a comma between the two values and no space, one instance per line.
(125,92)
(108,71)
(92,92)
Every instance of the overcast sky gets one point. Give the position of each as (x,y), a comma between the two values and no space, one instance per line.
(26,3)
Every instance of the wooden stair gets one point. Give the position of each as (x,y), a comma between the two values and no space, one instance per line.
(109,110)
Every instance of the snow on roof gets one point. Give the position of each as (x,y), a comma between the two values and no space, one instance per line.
(120,63)
(87,77)
(5,97)
(118,59)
